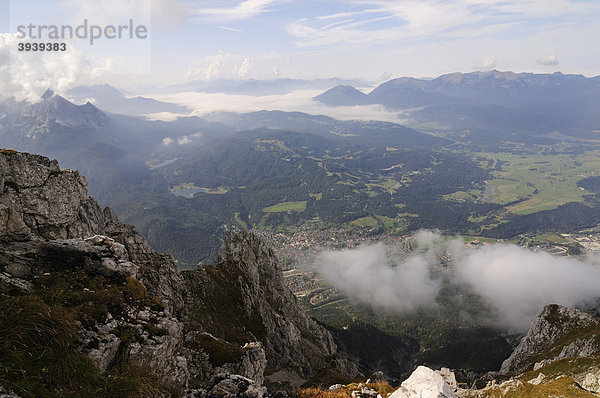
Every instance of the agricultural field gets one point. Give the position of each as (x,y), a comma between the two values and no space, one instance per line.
(282,207)
(534,182)
(365,222)
(388,224)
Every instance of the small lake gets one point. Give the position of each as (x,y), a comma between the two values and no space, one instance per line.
(160,164)
(188,192)
(490,191)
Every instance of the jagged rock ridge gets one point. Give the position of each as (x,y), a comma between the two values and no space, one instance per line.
(246,289)
(557,332)
(210,331)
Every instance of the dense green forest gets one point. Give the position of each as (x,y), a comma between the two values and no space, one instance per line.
(453,334)
(269,177)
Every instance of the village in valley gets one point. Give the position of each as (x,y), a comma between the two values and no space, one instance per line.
(297,246)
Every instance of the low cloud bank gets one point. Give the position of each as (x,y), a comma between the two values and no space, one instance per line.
(295,101)
(370,275)
(513,281)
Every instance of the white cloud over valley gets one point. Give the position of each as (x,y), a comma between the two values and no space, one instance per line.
(300,100)
(513,281)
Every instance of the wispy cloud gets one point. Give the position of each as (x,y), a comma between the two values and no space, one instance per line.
(410,20)
(339,15)
(244,10)
(230,29)
(331,25)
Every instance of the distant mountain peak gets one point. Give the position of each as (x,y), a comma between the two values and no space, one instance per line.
(111,99)
(34,120)
(342,95)
(49,93)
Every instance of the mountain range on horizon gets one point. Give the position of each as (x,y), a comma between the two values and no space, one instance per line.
(497,87)
(486,100)
(519,91)
(127,154)
(110,99)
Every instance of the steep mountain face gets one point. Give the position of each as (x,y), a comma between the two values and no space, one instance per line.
(556,333)
(246,291)
(126,307)
(559,356)
(39,201)
(52,122)
(55,237)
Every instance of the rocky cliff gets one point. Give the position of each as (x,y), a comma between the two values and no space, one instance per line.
(556,333)
(223,329)
(558,357)
(246,291)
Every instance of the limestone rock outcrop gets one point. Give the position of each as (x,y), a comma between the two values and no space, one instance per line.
(246,290)
(209,332)
(550,337)
(424,383)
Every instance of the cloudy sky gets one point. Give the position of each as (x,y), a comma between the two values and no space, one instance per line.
(378,39)
(372,40)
